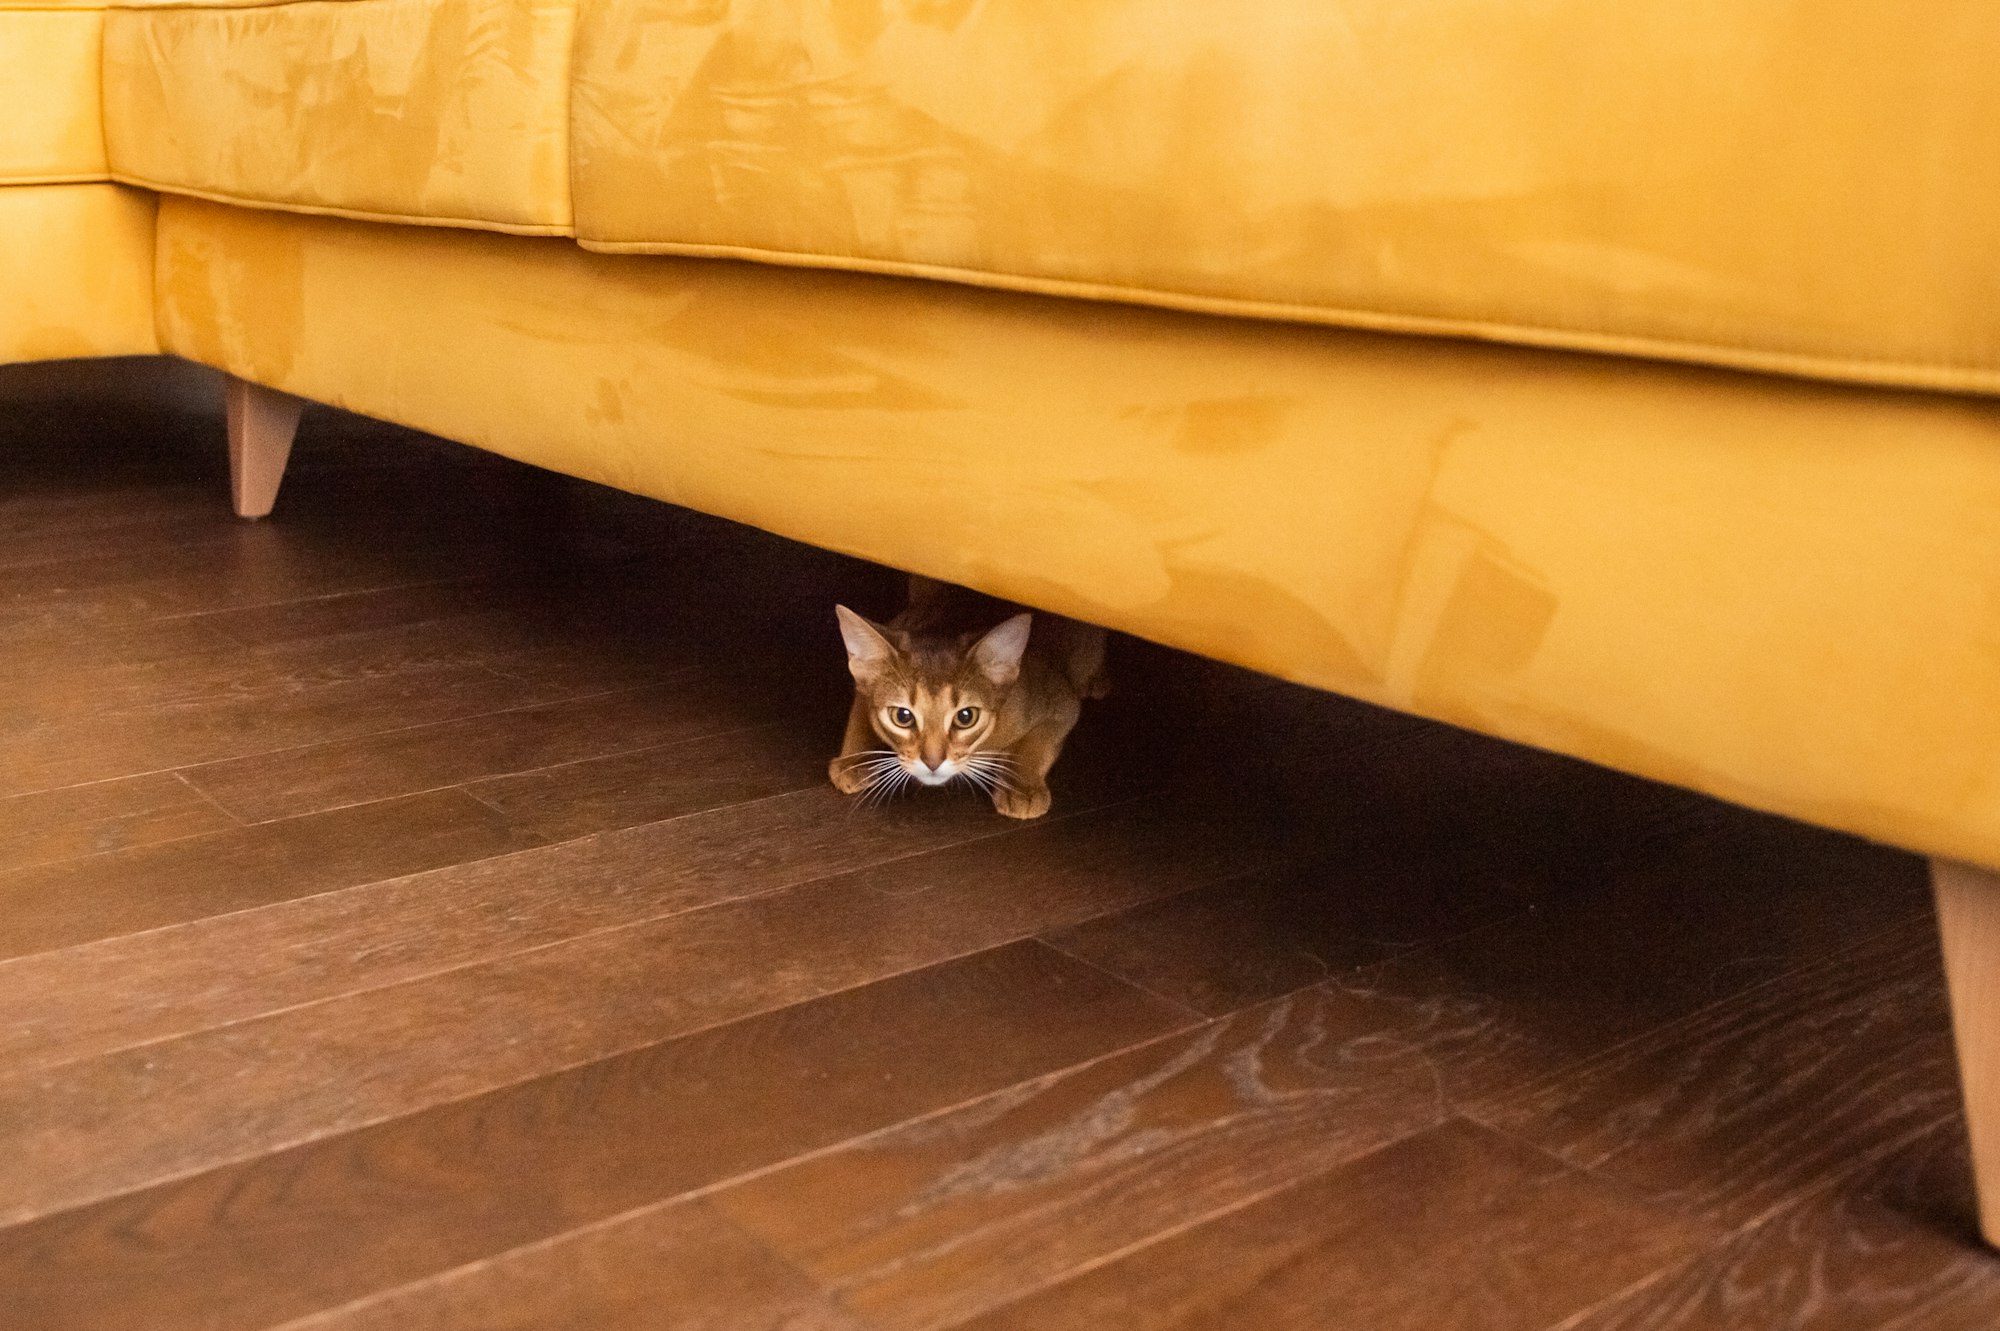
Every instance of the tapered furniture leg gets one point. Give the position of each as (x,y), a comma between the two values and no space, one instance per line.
(262,422)
(1968,903)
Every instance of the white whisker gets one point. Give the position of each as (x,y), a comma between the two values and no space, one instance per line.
(882,787)
(993,770)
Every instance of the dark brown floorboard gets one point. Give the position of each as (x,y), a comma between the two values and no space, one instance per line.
(425,909)
(175,882)
(1888,1248)
(466,1181)
(75,821)
(1455,1227)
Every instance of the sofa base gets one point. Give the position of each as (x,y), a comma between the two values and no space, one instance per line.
(76,272)
(1776,592)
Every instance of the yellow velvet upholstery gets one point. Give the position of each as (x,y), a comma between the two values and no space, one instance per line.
(1777,184)
(1780,592)
(50,127)
(76,272)
(446,112)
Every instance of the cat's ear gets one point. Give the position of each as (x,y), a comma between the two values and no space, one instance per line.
(868,652)
(998,654)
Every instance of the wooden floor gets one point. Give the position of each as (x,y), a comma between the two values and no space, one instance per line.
(427,910)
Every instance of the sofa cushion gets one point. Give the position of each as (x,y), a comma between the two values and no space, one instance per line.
(50,130)
(452,112)
(1761,183)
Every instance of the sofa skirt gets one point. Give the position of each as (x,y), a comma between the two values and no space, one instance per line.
(76,264)
(1780,592)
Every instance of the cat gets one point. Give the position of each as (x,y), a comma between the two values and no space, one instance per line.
(955,696)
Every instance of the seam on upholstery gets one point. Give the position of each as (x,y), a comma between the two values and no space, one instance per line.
(1803,365)
(182,6)
(351,214)
(83,178)
(103,111)
(569,114)
(151,201)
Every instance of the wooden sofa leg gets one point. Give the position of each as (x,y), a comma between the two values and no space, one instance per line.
(262,422)
(1968,904)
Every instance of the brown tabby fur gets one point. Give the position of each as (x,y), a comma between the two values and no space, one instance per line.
(1024,678)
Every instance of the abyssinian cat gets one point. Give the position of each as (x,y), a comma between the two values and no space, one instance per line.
(953,695)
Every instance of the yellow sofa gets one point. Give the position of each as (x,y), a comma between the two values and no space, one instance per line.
(1613,377)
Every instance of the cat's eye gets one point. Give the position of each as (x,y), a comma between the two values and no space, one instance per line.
(903,717)
(966,717)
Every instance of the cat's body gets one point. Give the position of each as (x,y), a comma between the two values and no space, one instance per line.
(963,686)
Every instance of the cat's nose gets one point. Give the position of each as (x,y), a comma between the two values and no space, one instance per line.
(933,776)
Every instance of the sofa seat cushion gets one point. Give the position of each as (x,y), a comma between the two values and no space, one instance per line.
(50,130)
(1757,184)
(449,112)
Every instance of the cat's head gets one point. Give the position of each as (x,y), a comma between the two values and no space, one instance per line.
(933,701)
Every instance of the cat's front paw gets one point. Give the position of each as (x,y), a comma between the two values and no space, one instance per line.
(1030,803)
(848,776)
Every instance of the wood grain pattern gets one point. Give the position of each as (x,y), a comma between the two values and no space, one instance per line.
(679,1269)
(1893,1247)
(373,610)
(1457,1227)
(925,1224)
(1727,1112)
(653,785)
(51,655)
(1264,936)
(82,1001)
(219,669)
(25,545)
(76,821)
(319,1225)
(100,745)
(252,566)
(317,777)
(1642,946)
(125,1120)
(150,887)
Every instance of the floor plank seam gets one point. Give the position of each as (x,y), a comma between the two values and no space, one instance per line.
(806,781)
(368,590)
(216,612)
(1724,1236)
(1666,1271)
(191,772)
(1006,829)
(181,776)
(277,1146)
(1130,981)
(1220,1213)
(687,1195)
(1001,828)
